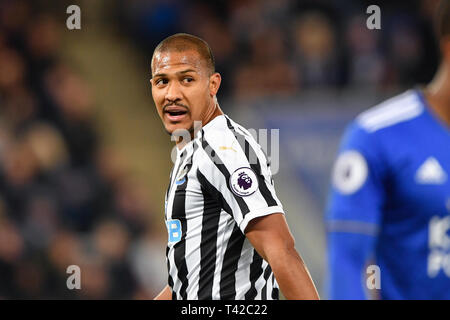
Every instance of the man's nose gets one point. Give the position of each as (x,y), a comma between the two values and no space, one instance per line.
(173,92)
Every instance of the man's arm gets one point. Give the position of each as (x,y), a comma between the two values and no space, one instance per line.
(348,255)
(354,211)
(165,294)
(272,239)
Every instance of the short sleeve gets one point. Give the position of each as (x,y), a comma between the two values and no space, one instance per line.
(357,193)
(234,167)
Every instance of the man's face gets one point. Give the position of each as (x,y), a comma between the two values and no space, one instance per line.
(181,88)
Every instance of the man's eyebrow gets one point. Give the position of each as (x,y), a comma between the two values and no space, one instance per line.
(179,72)
(187,71)
(159,75)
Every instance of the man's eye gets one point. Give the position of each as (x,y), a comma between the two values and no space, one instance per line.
(188,79)
(161,81)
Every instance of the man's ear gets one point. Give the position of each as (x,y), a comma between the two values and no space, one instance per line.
(445,48)
(214,83)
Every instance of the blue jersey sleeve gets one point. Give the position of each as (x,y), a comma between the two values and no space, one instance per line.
(354,212)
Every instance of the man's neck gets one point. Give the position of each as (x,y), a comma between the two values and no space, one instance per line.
(437,93)
(213,112)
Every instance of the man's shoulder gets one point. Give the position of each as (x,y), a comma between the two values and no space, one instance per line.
(390,114)
(224,133)
(226,142)
(216,131)
(384,127)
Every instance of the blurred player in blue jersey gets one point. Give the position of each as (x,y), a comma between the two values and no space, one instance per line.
(390,200)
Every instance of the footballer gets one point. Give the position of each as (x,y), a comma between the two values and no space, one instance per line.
(227,234)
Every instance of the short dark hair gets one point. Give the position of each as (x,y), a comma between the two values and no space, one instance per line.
(183,42)
(443,19)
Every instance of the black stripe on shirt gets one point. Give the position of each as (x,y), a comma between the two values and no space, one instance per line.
(267,274)
(234,246)
(256,167)
(179,212)
(255,272)
(169,280)
(223,169)
(230,264)
(208,245)
(213,192)
(275,291)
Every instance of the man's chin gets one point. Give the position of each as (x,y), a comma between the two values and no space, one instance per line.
(179,129)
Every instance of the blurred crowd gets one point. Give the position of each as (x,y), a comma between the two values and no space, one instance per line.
(65,198)
(286,46)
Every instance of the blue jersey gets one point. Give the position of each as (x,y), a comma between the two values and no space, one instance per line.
(389,204)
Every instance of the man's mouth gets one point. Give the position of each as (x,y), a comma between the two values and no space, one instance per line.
(175,113)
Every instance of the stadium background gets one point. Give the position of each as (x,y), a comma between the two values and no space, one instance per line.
(84,162)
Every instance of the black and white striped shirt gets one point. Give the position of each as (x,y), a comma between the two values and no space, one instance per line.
(220,181)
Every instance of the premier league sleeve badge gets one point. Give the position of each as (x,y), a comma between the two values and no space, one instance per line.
(243,182)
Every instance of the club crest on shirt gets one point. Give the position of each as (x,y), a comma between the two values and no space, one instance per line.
(350,172)
(243,182)
(181,177)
